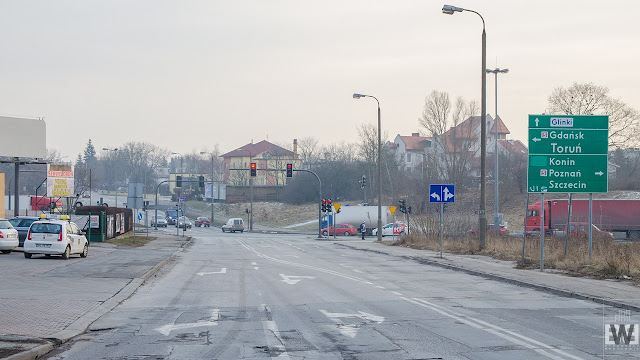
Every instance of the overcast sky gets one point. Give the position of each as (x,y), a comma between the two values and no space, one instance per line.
(189,75)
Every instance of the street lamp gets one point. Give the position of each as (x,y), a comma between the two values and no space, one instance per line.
(358,96)
(251,187)
(496,71)
(449,10)
(203,153)
(114,150)
(178,199)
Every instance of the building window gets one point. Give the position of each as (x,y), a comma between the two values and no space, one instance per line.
(408,158)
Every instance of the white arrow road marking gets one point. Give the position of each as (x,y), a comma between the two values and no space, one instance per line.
(535,139)
(599,173)
(167,329)
(351,330)
(435,196)
(222,271)
(292,279)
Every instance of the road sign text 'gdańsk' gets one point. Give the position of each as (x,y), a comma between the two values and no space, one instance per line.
(568,153)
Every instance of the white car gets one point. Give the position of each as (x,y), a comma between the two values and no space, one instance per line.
(8,237)
(390,229)
(55,237)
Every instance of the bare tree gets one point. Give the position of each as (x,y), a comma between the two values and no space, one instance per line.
(587,99)
(308,151)
(435,115)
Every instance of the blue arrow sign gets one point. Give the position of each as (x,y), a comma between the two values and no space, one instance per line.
(139,216)
(442,193)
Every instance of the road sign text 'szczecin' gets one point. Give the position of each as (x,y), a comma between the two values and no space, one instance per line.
(568,153)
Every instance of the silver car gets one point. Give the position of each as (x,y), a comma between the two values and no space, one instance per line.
(184,222)
(160,221)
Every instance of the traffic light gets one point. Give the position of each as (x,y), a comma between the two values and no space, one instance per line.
(324,205)
(289,170)
(402,206)
(328,205)
(409,210)
(364,181)
(253,169)
(201,181)
(178,181)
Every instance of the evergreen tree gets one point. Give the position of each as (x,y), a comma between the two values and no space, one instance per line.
(79,161)
(90,154)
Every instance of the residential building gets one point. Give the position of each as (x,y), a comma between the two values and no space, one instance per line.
(266,156)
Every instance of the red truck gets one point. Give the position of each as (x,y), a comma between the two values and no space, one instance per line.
(608,215)
(42,203)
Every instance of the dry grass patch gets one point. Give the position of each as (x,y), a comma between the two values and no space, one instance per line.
(609,259)
(128,240)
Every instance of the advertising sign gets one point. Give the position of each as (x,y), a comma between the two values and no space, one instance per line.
(94,221)
(60,181)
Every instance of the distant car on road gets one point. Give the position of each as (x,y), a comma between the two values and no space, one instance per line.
(340,229)
(55,237)
(203,221)
(184,222)
(8,237)
(22,224)
(233,225)
(86,195)
(390,229)
(160,220)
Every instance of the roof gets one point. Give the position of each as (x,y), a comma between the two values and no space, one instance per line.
(257,149)
(515,147)
(414,142)
(464,130)
(502,128)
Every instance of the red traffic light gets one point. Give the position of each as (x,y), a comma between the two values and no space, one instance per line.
(253,169)
(289,170)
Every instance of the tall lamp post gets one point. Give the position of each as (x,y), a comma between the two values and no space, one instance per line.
(496,71)
(114,150)
(358,96)
(449,10)
(178,206)
(203,153)
(251,187)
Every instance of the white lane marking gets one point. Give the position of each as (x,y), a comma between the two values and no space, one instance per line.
(167,329)
(293,256)
(358,271)
(351,330)
(271,326)
(397,293)
(293,279)
(496,330)
(354,278)
(380,287)
(256,268)
(222,271)
(253,263)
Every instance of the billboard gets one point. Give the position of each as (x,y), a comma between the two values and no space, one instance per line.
(28,138)
(60,181)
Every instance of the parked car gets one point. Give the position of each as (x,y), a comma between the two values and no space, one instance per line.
(340,229)
(491,230)
(392,229)
(160,220)
(233,225)
(203,221)
(184,222)
(22,224)
(8,237)
(55,237)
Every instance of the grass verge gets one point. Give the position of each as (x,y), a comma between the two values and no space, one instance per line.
(128,240)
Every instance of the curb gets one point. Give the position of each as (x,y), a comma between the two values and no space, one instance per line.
(548,289)
(79,326)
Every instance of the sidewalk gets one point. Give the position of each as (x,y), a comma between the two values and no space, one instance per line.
(47,301)
(623,294)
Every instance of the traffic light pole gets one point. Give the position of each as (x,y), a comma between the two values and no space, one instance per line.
(319,192)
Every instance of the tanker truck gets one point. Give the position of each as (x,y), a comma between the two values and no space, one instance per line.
(607,214)
(355,215)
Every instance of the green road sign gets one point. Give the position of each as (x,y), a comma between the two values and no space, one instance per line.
(568,154)
(568,142)
(595,122)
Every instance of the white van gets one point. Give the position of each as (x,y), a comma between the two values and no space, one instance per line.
(233,225)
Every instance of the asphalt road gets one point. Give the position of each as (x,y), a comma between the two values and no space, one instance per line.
(256,296)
